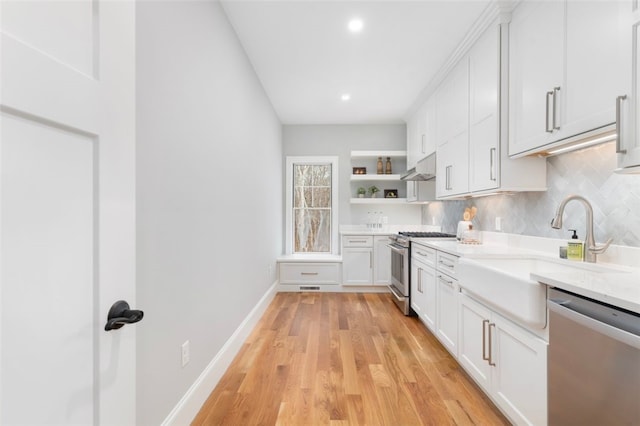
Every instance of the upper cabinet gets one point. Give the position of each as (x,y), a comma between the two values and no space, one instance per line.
(471,126)
(628,143)
(567,68)
(484,111)
(452,132)
(421,133)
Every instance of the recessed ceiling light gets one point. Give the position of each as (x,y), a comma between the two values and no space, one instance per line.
(355,25)
(345,97)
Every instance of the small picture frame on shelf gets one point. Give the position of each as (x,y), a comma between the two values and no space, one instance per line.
(359,170)
(390,193)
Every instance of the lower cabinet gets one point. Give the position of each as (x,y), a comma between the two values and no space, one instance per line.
(507,361)
(381,261)
(448,293)
(366,260)
(309,273)
(357,266)
(423,292)
(447,311)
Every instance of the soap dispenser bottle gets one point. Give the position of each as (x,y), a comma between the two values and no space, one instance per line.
(575,247)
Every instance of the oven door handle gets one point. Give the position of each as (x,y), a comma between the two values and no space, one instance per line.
(401,251)
(395,294)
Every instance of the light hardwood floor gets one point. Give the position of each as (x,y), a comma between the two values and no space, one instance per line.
(344,359)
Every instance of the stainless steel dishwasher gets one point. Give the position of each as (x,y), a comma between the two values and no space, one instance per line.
(593,362)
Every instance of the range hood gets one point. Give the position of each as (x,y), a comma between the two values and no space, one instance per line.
(425,169)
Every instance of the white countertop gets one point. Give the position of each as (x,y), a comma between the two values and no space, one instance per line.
(386,229)
(620,289)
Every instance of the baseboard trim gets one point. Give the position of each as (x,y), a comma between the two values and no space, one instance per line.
(189,405)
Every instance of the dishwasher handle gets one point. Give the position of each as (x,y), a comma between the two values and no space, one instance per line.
(561,307)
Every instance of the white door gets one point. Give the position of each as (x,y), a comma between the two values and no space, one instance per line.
(67,222)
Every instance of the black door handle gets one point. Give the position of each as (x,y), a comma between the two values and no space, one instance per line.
(121,314)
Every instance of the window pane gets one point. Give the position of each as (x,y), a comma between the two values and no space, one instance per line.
(321,197)
(312,208)
(302,197)
(312,230)
(321,175)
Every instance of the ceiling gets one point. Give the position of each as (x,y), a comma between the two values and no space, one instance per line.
(306,57)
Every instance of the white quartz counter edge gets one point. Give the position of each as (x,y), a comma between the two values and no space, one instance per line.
(620,289)
(617,289)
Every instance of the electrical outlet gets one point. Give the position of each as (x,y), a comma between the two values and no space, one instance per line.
(498,223)
(185,353)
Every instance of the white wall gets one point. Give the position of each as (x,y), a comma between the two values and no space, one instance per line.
(340,140)
(208,193)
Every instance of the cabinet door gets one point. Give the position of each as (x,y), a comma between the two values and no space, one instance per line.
(412,141)
(520,375)
(357,266)
(447,312)
(452,107)
(630,107)
(417,296)
(597,45)
(536,56)
(452,166)
(484,136)
(429,305)
(429,144)
(473,346)
(382,261)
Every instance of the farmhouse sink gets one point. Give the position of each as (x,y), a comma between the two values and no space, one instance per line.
(505,283)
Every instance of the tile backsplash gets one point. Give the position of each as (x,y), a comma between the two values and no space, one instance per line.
(589,173)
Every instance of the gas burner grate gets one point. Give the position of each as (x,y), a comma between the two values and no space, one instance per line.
(426,235)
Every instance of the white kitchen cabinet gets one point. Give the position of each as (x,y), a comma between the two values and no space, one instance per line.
(423,284)
(628,144)
(357,266)
(447,302)
(366,260)
(309,273)
(452,104)
(507,361)
(566,70)
(452,132)
(452,166)
(475,161)
(382,261)
(413,140)
(484,111)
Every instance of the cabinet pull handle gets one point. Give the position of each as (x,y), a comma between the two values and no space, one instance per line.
(619,149)
(448,178)
(423,143)
(308,273)
(484,340)
(420,280)
(370,260)
(492,168)
(546,121)
(357,241)
(555,109)
(420,253)
(448,265)
(449,283)
(491,363)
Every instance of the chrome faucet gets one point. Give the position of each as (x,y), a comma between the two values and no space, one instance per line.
(590,248)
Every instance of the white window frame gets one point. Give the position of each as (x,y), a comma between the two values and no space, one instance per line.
(312,160)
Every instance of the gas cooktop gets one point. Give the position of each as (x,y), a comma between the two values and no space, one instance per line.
(426,235)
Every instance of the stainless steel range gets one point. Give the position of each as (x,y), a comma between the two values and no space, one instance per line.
(400,245)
